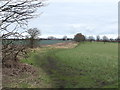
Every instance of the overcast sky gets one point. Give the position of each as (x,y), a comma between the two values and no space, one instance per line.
(68,17)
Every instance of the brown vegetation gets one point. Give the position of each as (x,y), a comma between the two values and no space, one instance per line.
(62,45)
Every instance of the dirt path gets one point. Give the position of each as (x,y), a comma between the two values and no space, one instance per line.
(60,73)
(52,68)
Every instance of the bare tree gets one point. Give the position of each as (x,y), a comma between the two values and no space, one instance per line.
(14,14)
(98,38)
(118,39)
(91,38)
(33,34)
(112,40)
(105,39)
(64,37)
(51,38)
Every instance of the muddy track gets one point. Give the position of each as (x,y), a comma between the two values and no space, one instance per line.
(58,72)
(51,68)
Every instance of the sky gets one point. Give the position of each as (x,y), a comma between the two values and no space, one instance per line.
(69,17)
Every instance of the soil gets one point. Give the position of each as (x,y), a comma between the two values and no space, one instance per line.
(12,74)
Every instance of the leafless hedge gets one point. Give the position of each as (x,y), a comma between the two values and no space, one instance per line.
(14,14)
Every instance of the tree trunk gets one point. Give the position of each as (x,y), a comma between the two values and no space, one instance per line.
(31,43)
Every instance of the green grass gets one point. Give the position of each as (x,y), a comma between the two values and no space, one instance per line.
(89,65)
(98,62)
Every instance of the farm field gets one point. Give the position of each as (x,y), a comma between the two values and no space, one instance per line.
(50,42)
(59,44)
(38,42)
(88,65)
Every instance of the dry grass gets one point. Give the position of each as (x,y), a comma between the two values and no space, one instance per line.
(62,45)
(25,76)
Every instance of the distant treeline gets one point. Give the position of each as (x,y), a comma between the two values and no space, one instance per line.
(72,39)
(36,42)
(56,39)
(41,39)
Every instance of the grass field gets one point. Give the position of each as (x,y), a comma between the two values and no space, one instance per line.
(89,65)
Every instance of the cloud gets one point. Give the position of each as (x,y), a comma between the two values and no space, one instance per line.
(79,1)
(88,27)
(63,17)
(114,36)
(82,28)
